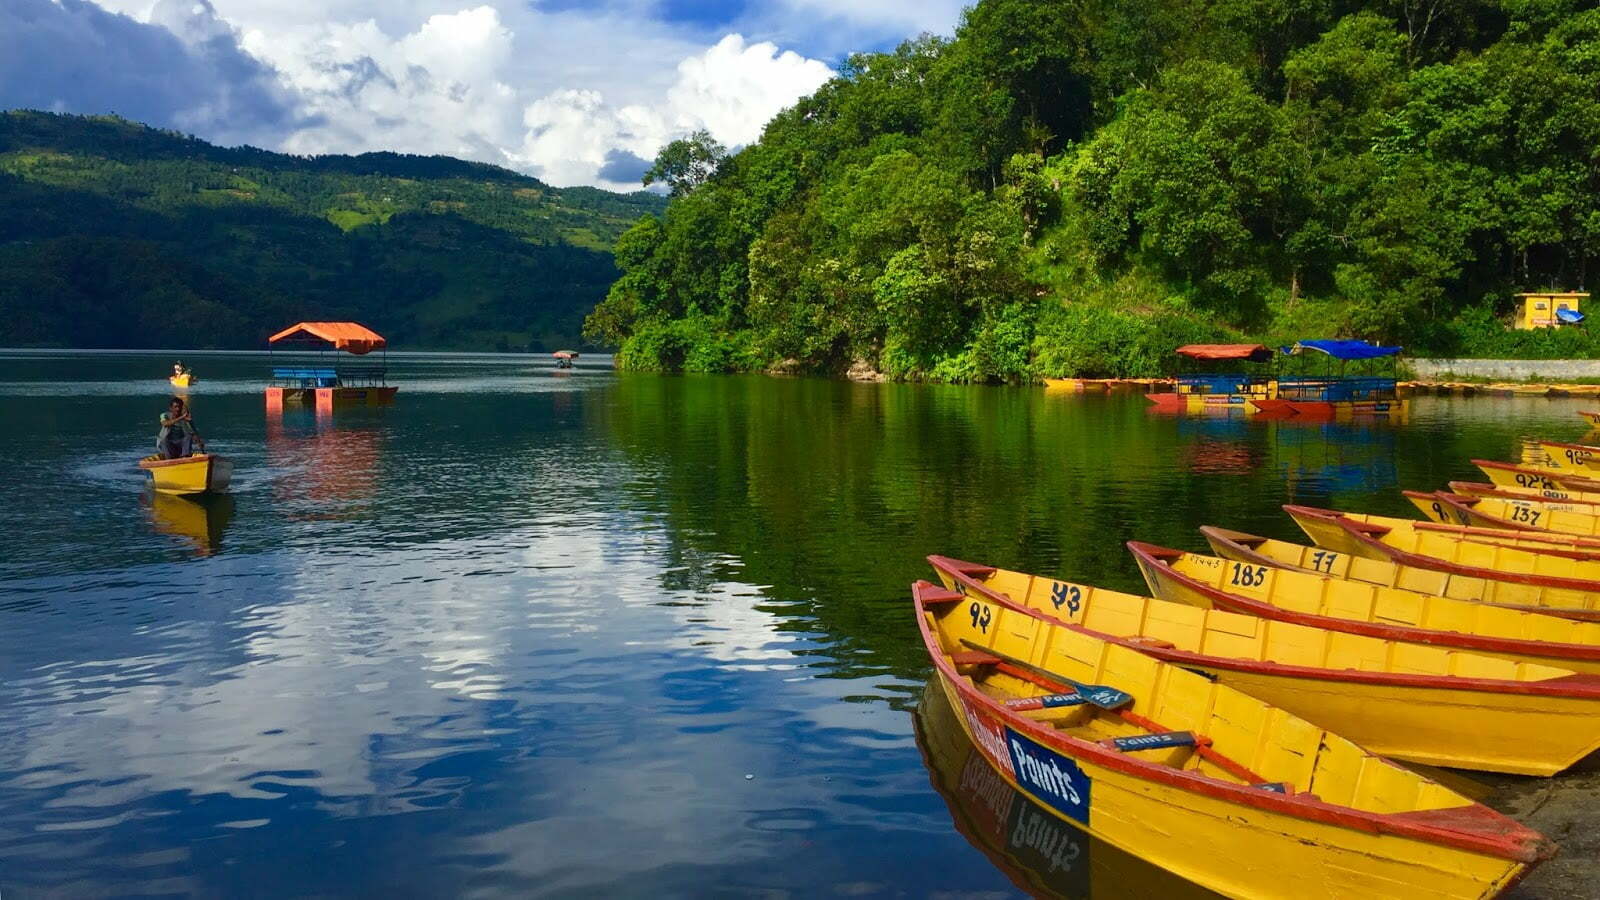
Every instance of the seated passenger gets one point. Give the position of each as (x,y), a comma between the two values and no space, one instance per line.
(178,438)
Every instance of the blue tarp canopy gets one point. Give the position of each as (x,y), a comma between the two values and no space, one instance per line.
(1569,316)
(1343,349)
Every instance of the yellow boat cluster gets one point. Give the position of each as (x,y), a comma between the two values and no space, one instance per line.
(1236,727)
(1496,389)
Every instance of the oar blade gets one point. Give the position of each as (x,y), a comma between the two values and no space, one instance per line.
(1100,695)
(1108,698)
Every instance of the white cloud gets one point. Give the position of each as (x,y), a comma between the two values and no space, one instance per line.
(734,88)
(731,90)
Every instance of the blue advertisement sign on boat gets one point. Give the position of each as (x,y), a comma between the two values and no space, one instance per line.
(1054,779)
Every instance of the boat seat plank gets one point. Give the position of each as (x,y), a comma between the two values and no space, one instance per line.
(941,596)
(1153,741)
(974,658)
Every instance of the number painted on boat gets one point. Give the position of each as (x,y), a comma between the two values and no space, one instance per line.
(1578,457)
(1052,778)
(1249,576)
(1322,561)
(1068,595)
(1438,512)
(1525,514)
(982,614)
(1534,481)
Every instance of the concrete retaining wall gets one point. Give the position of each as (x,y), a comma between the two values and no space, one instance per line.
(1508,369)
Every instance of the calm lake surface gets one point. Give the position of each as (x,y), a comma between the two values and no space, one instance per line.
(523,633)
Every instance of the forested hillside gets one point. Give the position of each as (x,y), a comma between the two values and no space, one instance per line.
(1077,186)
(118,235)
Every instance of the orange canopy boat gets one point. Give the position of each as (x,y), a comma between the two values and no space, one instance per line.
(324,382)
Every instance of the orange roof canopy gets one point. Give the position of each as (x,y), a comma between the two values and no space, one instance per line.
(347,336)
(1252,352)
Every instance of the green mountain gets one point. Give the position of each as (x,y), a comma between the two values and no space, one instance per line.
(1077,186)
(120,235)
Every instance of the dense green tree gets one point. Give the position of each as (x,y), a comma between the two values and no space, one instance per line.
(1025,197)
(686,163)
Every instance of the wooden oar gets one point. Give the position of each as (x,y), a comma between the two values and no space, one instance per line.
(1100,695)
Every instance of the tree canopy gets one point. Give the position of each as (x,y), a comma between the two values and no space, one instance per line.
(1076,186)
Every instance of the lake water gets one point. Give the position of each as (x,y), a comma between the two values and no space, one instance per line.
(527,633)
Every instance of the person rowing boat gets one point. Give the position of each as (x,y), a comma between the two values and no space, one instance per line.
(178,438)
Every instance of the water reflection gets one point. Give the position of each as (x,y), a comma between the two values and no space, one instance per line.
(1041,853)
(1333,457)
(325,467)
(199,520)
(522,634)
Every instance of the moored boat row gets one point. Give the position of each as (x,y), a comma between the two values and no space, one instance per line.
(1470,641)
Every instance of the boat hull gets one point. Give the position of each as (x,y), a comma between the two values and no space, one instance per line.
(329,397)
(1334,410)
(1537,574)
(1508,513)
(1512,476)
(1425,704)
(1577,500)
(1490,731)
(1570,459)
(203,473)
(1370,610)
(1235,850)
(1044,854)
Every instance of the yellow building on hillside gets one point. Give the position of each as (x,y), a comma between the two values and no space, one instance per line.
(1540,310)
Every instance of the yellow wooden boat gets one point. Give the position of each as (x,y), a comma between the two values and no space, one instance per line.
(1435,705)
(1590,416)
(1558,578)
(1570,500)
(1201,779)
(202,473)
(1356,607)
(183,381)
(1544,482)
(1510,513)
(1571,459)
(1386,572)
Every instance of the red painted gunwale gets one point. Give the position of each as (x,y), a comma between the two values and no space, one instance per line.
(1150,554)
(1243,544)
(1364,532)
(1474,827)
(1577,685)
(1558,544)
(1471,490)
(1589,447)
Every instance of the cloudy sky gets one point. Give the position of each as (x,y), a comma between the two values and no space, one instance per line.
(571,91)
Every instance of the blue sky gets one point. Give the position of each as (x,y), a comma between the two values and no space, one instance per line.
(571,91)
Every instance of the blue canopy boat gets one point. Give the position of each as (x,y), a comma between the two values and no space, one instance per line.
(1336,396)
